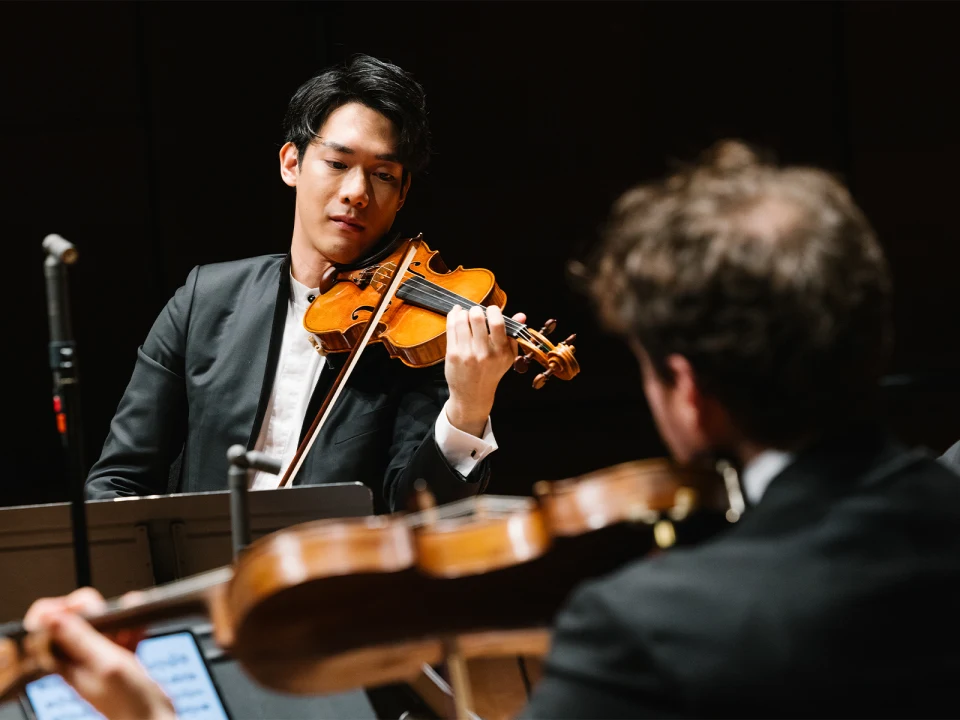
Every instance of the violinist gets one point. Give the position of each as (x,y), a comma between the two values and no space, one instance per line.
(757,299)
(228,360)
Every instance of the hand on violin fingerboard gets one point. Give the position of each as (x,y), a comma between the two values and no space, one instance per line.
(479,353)
(104,673)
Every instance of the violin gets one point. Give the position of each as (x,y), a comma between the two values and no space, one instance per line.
(333,605)
(413,327)
(400,298)
(328,605)
(403,586)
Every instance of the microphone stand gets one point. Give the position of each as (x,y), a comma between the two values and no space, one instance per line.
(66,393)
(241,460)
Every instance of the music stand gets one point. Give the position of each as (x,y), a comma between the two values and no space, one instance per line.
(140,542)
(192,530)
(37,556)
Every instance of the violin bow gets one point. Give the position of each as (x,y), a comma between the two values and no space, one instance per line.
(350,364)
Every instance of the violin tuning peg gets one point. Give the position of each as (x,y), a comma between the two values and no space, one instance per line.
(540,380)
(548,327)
(569,340)
(521,364)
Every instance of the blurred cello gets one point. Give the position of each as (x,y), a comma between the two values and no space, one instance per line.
(333,605)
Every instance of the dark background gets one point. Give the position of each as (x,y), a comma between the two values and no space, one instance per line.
(147,134)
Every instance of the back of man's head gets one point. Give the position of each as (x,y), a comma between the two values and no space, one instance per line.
(768,280)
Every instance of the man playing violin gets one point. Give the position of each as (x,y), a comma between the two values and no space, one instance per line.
(229,362)
(757,302)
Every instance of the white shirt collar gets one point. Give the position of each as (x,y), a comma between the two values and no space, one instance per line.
(301,295)
(760,471)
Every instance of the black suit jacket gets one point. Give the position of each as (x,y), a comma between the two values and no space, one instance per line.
(203,378)
(838,595)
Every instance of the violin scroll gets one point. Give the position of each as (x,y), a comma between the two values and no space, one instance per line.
(655,492)
(558,360)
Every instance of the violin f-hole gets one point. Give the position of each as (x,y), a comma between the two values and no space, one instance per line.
(367,308)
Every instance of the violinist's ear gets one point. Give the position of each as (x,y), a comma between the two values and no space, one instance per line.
(289,171)
(404,188)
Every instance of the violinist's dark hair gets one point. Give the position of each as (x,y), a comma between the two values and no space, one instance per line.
(768,280)
(380,86)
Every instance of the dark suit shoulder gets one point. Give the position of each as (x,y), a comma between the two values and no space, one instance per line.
(676,616)
(830,607)
(216,289)
(231,273)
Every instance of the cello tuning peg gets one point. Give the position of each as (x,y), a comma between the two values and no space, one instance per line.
(548,327)
(540,380)
(521,364)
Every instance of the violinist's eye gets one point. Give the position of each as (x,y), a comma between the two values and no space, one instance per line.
(337,165)
(386,177)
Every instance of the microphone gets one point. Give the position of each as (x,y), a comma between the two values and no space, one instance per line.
(240,461)
(66,391)
(61,249)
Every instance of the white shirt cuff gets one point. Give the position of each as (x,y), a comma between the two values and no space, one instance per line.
(461,449)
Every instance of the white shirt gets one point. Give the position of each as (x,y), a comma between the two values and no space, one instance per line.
(298,369)
(759,472)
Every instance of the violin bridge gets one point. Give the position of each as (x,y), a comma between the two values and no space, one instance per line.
(363,277)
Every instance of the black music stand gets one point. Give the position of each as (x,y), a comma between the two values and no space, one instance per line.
(140,542)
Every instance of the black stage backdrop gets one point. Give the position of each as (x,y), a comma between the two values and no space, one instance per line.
(147,134)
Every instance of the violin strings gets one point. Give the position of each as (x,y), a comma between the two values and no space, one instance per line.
(427,289)
(492,504)
(432,290)
(514,328)
(442,512)
(424,290)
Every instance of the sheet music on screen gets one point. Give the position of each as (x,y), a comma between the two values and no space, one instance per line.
(173,660)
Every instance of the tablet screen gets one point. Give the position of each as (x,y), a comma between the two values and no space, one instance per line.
(173,660)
